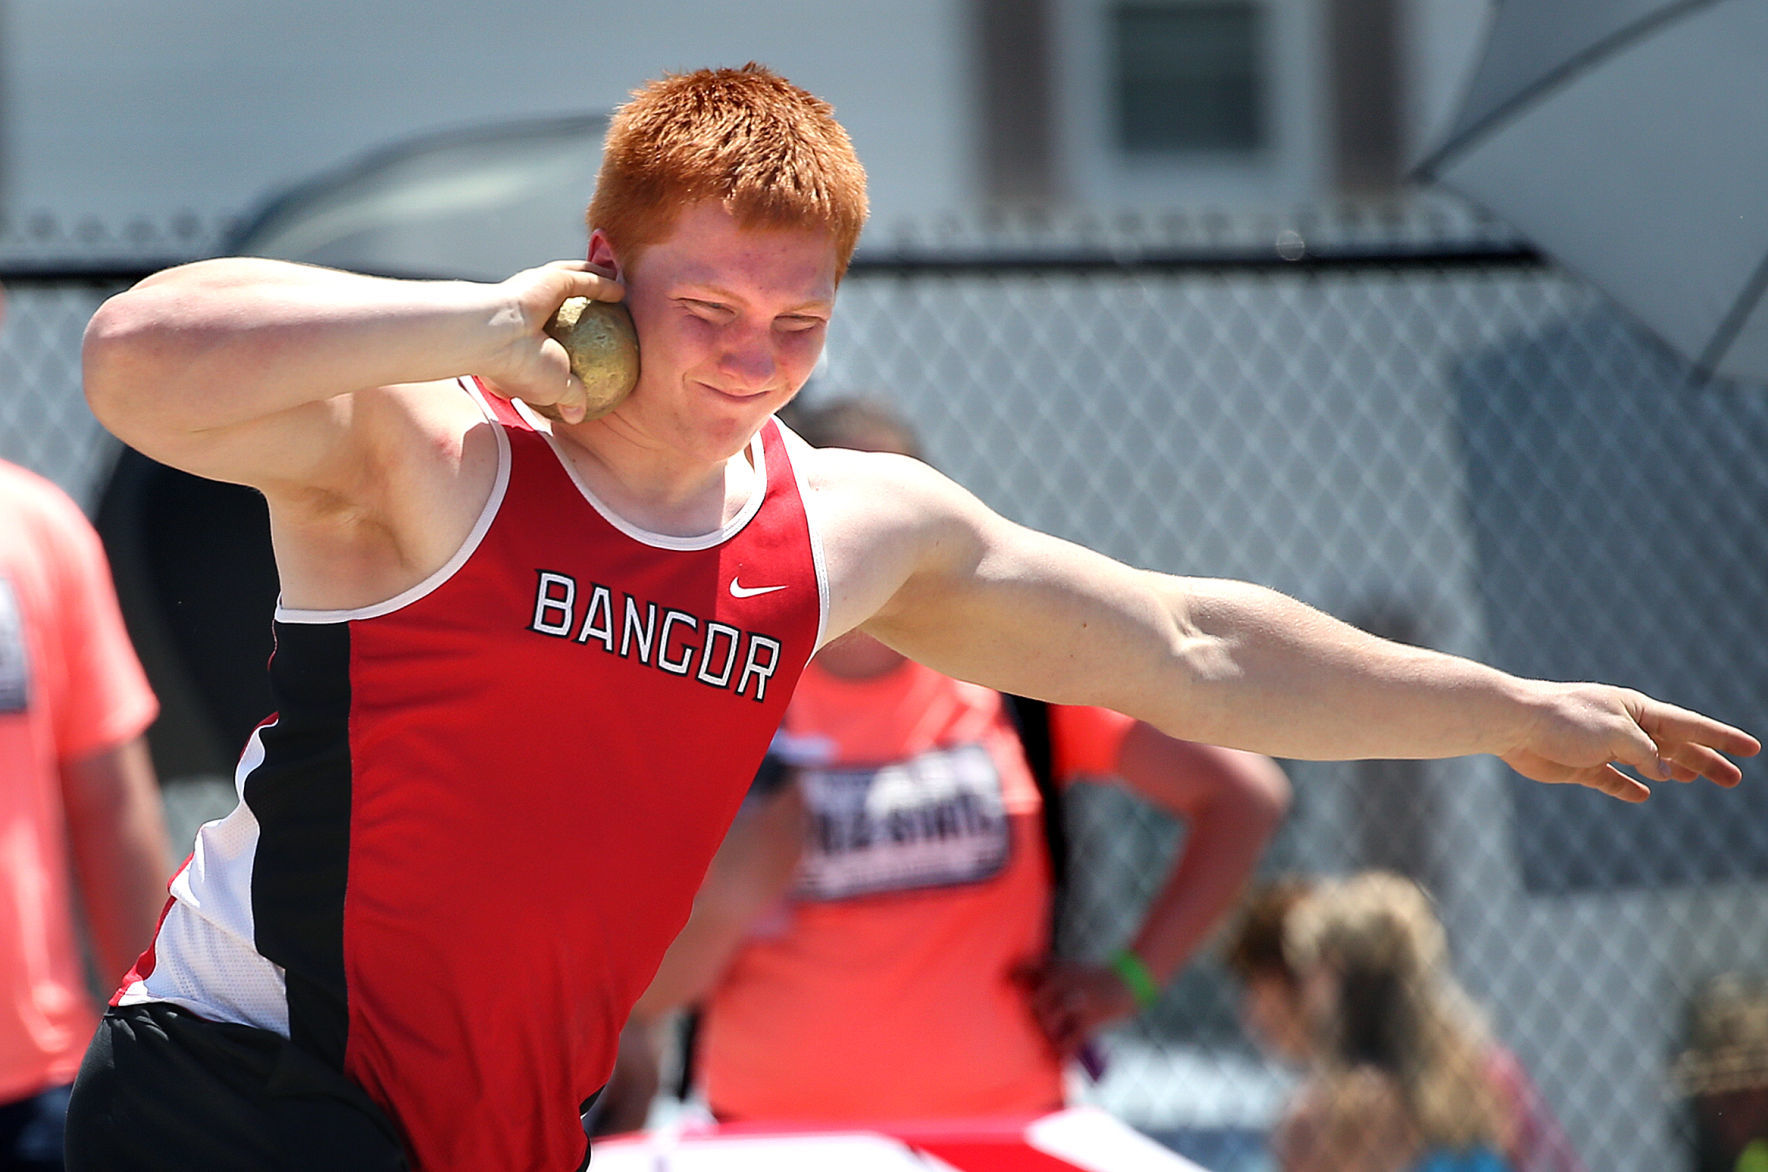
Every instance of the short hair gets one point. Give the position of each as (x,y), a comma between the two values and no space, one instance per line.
(771,152)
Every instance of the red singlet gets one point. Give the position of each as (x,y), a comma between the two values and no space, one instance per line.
(483,808)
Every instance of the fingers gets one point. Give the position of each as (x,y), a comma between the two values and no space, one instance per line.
(1637,750)
(1611,781)
(1603,778)
(1601,728)
(584,279)
(1056,1003)
(1669,725)
(1688,745)
(569,405)
(1688,762)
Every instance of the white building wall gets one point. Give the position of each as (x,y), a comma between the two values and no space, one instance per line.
(117,109)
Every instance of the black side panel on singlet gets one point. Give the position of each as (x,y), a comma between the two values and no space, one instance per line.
(300,795)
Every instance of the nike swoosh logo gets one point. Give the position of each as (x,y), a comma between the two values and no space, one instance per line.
(738,590)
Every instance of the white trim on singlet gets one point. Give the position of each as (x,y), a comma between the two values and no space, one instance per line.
(204,956)
(802,449)
(719,536)
(449,568)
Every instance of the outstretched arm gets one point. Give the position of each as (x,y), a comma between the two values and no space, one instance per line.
(928,569)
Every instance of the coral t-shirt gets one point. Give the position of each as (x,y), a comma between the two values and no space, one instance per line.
(70,686)
(885,990)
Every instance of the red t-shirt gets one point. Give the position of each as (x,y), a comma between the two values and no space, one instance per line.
(885,991)
(70,686)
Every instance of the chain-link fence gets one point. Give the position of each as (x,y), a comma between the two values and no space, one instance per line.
(1457,447)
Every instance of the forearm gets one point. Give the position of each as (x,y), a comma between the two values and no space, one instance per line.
(121,853)
(223,342)
(1219,855)
(1231,803)
(1261,671)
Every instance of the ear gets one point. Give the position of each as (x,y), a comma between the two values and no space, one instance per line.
(601,252)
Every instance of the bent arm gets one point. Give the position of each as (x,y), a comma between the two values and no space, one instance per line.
(241,369)
(1231,802)
(121,852)
(961,589)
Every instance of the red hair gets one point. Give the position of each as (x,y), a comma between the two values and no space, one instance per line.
(771,152)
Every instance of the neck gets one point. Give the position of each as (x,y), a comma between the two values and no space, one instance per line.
(654,487)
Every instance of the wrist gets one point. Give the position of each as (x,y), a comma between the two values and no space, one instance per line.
(1144,989)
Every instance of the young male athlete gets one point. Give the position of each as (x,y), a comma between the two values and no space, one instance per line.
(527,663)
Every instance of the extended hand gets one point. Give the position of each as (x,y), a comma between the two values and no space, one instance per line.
(1583,731)
(1073,1001)
(532,366)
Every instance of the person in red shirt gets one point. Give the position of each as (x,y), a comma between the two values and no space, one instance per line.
(77,799)
(916,928)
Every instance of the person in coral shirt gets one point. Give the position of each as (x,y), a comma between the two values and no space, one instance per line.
(77,798)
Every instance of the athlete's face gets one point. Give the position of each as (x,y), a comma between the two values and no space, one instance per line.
(730,321)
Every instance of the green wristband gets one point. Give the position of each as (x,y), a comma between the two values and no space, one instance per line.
(1135,977)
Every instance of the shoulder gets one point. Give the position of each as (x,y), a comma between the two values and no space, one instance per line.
(881,495)
(843,469)
(883,519)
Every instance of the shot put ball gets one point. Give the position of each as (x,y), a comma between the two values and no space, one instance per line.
(603,346)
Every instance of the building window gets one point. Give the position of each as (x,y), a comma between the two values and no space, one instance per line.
(1189,77)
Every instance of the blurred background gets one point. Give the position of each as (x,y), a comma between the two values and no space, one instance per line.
(1156,275)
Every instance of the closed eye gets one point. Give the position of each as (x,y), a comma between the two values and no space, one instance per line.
(710,310)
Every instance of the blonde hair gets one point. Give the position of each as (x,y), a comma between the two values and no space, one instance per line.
(1399,1009)
(771,152)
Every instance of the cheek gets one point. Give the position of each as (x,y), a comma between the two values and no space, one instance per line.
(798,353)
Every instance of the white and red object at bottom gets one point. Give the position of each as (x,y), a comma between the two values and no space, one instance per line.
(1081,1139)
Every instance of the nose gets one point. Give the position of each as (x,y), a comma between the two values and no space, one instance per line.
(748,361)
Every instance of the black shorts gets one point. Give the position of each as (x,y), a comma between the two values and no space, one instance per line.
(162,1088)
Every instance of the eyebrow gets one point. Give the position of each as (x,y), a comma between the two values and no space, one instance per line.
(694,291)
